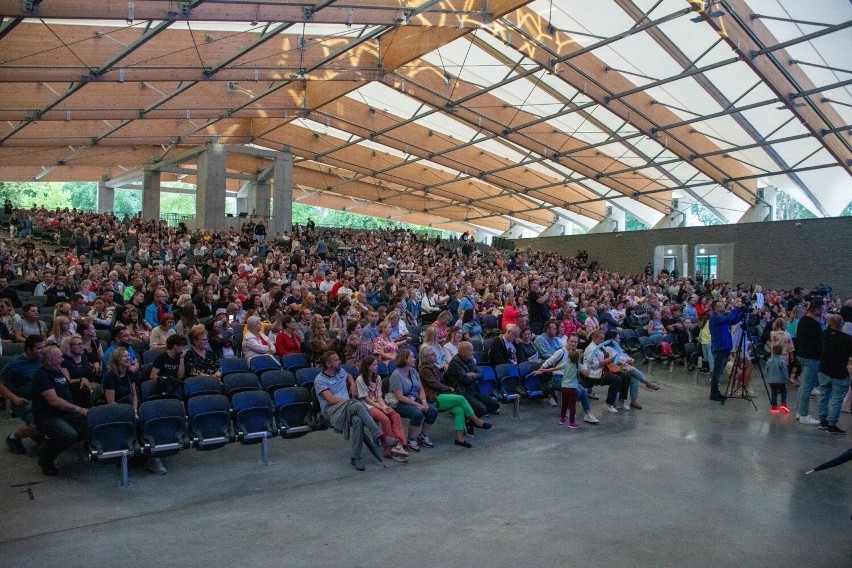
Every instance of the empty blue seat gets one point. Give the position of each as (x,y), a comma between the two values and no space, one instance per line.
(305,377)
(149,356)
(531,383)
(254,414)
(210,421)
(272,380)
(481,357)
(149,390)
(240,382)
(292,409)
(383,369)
(198,386)
(508,381)
(260,363)
(295,361)
(112,435)
(351,369)
(487,385)
(233,365)
(163,424)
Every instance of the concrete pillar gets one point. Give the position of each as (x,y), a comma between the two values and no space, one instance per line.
(560,227)
(763,210)
(282,199)
(257,199)
(151,194)
(106,198)
(210,188)
(615,220)
(242,205)
(482,236)
(671,221)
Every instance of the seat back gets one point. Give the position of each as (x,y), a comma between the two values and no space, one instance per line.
(351,369)
(274,379)
(240,382)
(112,431)
(292,409)
(487,385)
(12,349)
(527,367)
(233,365)
(383,369)
(261,363)
(163,426)
(149,356)
(254,414)
(149,390)
(201,385)
(489,321)
(508,378)
(210,421)
(305,377)
(480,356)
(295,361)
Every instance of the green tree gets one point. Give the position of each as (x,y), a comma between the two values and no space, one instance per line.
(704,215)
(848,211)
(632,223)
(787,208)
(128,201)
(26,194)
(84,195)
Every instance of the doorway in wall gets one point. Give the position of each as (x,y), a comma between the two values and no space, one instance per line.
(707,265)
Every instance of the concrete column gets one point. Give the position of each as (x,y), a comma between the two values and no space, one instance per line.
(560,227)
(482,236)
(151,194)
(106,198)
(242,205)
(282,199)
(763,210)
(614,221)
(210,188)
(257,198)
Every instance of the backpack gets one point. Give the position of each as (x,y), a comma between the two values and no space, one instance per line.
(166,386)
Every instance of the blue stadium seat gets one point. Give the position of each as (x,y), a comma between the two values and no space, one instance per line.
(508,381)
(233,365)
(272,380)
(531,383)
(112,435)
(292,409)
(210,421)
(305,377)
(487,385)
(149,356)
(201,385)
(254,414)
(261,363)
(351,369)
(240,382)
(163,424)
(295,361)
(148,391)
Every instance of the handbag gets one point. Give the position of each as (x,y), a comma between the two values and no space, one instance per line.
(391,400)
(613,368)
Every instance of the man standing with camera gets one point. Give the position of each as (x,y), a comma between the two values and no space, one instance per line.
(721,342)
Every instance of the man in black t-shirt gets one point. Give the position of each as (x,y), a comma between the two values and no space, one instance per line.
(170,363)
(833,373)
(537,306)
(56,415)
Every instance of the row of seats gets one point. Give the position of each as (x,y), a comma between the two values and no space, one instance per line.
(207,421)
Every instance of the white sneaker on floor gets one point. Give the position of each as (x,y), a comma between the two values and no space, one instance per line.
(590,418)
(156,466)
(626,405)
(552,401)
(609,408)
(809,420)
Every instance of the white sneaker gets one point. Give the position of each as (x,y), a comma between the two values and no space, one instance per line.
(626,405)
(609,408)
(809,420)
(552,401)
(156,466)
(590,418)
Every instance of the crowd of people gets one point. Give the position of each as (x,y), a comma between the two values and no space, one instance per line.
(436,310)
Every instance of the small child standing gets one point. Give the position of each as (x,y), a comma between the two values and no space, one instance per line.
(776,376)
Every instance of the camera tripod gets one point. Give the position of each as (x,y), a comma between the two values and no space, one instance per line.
(742,351)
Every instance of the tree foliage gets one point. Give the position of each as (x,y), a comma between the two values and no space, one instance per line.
(787,208)
(632,223)
(704,215)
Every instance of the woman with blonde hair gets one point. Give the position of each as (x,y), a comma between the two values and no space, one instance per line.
(60,331)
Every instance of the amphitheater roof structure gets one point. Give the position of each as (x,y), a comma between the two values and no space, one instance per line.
(456,114)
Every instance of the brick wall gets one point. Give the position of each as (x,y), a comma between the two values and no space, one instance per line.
(775,254)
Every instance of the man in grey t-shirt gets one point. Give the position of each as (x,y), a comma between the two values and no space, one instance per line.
(344,412)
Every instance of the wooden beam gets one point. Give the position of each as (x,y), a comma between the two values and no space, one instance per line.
(786,79)
(364,12)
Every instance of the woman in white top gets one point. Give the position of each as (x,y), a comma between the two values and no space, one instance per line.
(369,386)
(254,342)
(161,333)
(451,347)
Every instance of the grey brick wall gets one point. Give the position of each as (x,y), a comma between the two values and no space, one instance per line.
(775,254)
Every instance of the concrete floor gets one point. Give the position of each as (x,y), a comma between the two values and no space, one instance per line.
(684,482)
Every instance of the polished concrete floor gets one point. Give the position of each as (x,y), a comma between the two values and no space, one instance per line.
(684,482)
